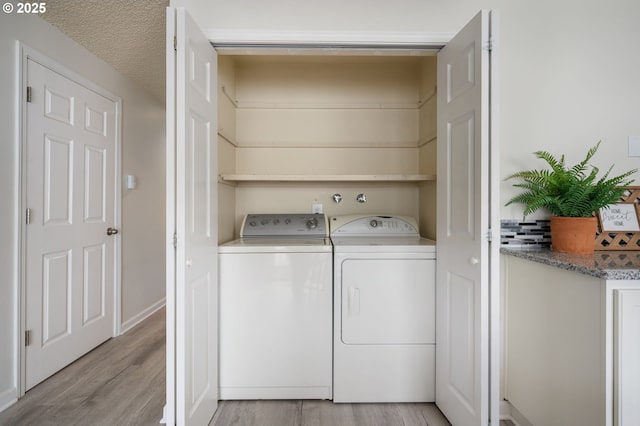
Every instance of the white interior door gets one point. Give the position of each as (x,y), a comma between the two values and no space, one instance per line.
(192,206)
(70,193)
(463,264)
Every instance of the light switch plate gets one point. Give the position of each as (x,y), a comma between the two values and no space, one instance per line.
(634,146)
(131,182)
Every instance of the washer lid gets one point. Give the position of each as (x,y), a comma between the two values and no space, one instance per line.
(373,226)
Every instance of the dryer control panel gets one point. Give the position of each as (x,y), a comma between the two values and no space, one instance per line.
(378,225)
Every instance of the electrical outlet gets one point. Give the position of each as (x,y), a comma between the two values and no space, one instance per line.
(316,208)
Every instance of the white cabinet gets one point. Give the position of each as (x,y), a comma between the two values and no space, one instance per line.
(572,345)
(627,357)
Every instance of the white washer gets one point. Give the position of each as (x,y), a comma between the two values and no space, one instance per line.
(384,310)
(276,309)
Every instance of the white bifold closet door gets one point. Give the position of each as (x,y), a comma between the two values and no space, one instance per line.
(192,217)
(466,379)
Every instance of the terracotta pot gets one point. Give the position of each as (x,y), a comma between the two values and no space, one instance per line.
(573,234)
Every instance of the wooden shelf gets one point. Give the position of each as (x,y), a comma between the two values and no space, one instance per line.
(326,178)
(327,105)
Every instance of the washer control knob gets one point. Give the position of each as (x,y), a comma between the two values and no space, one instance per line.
(312,223)
(276,221)
(287,221)
(264,221)
(252,223)
(374,223)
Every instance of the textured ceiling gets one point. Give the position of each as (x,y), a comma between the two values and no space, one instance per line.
(127,34)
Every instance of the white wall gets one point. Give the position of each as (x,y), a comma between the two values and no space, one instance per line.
(568,74)
(330,15)
(143,208)
(143,155)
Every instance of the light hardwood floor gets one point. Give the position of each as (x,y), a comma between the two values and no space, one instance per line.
(325,413)
(122,382)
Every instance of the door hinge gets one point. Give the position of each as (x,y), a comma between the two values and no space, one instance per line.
(28,93)
(489,45)
(175,43)
(27,337)
(489,235)
(28,216)
(175,240)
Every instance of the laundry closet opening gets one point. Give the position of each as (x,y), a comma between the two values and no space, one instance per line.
(295,129)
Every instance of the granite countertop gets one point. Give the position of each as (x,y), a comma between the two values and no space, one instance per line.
(608,265)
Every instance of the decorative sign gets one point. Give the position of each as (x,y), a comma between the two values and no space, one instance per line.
(619,218)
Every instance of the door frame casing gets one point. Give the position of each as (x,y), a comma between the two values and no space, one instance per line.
(25,53)
(169,411)
(496,297)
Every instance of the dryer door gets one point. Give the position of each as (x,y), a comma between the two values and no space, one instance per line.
(388,301)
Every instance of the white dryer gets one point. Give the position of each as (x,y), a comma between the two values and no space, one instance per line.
(384,310)
(276,309)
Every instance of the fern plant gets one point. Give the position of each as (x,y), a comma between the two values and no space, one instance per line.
(568,191)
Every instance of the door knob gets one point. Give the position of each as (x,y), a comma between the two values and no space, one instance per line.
(112,231)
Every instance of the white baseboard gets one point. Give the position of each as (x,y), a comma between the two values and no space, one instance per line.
(138,318)
(8,398)
(509,412)
(163,420)
(505,410)
(518,418)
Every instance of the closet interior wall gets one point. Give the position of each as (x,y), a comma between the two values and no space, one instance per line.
(297,128)
(427,146)
(227,146)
